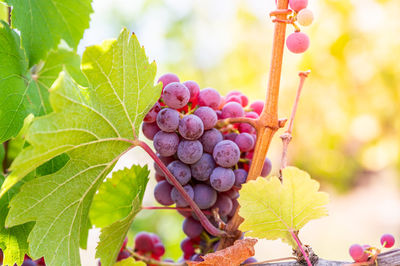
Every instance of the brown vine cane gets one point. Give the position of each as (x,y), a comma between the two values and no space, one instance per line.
(268,123)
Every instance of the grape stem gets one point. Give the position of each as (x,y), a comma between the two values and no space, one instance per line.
(171,208)
(268,123)
(272,260)
(300,247)
(287,136)
(152,261)
(208,226)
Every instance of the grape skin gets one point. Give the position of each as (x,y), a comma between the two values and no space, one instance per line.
(245,142)
(210,138)
(168,120)
(176,95)
(204,196)
(224,205)
(257,106)
(162,193)
(192,228)
(191,127)
(152,114)
(387,240)
(202,169)
(144,242)
(166,144)
(298,5)
(267,167)
(165,160)
(167,79)
(226,153)
(194,89)
(222,179)
(208,116)
(305,17)
(177,197)
(297,42)
(180,171)
(150,130)
(240,177)
(209,97)
(232,109)
(190,151)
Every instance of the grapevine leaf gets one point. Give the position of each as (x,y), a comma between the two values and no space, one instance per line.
(13,241)
(12,87)
(3,11)
(130,262)
(44,23)
(272,209)
(125,191)
(233,255)
(2,157)
(94,126)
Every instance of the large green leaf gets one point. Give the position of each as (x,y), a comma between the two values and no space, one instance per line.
(13,91)
(125,191)
(3,11)
(272,209)
(94,126)
(13,241)
(44,23)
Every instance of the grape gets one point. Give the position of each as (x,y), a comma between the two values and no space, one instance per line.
(232,193)
(267,167)
(257,106)
(305,17)
(245,142)
(166,144)
(155,238)
(224,205)
(219,114)
(226,153)
(158,250)
(190,151)
(222,179)
(165,160)
(247,128)
(159,177)
(297,42)
(202,169)
(185,213)
(232,109)
(298,5)
(180,171)
(41,262)
(196,257)
(191,127)
(365,255)
(240,177)
(178,198)
(234,98)
(209,97)
(250,260)
(29,262)
(356,251)
(192,228)
(187,246)
(210,138)
(231,136)
(176,95)
(162,193)
(235,204)
(387,240)
(144,242)
(208,116)
(152,114)
(168,120)
(150,130)
(168,78)
(245,100)
(194,89)
(204,196)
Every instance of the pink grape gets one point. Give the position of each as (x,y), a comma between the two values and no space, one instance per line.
(168,78)
(194,89)
(298,5)
(356,251)
(257,106)
(209,97)
(176,95)
(305,17)
(298,42)
(387,240)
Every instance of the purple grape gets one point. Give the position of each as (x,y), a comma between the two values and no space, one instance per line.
(162,193)
(245,142)
(180,171)
(178,198)
(249,260)
(168,78)
(190,151)
(194,89)
(187,246)
(166,144)
(204,196)
(231,136)
(191,127)
(202,169)
(175,95)
(226,153)
(152,114)
(208,116)
(158,250)
(196,257)
(165,160)
(232,193)
(168,120)
(224,205)
(232,109)
(192,228)
(150,130)
(267,167)
(28,262)
(240,177)
(209,97)
(222,179)
(210,138)
(144,242)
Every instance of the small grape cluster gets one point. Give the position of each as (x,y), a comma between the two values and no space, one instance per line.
(207,155)
(298,42)
(362,253)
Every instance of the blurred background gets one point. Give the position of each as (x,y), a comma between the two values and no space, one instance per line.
(347,129)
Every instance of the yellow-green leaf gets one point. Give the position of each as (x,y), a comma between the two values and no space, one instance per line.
(272,209)
(130,262)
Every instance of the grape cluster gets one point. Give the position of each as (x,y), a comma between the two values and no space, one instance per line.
(209,157)
(299,42)
(362,253)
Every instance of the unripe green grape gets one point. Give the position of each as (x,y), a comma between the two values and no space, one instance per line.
(305,17)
